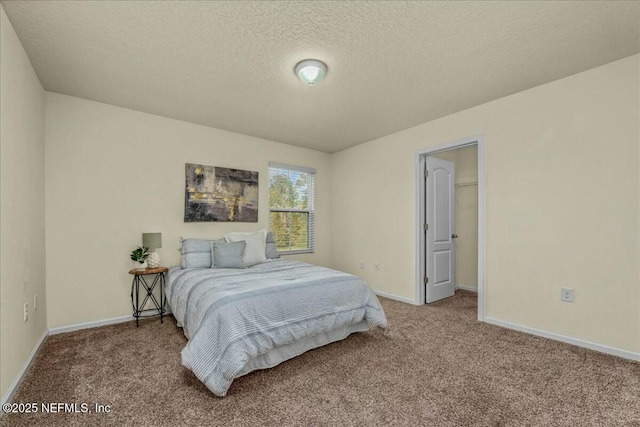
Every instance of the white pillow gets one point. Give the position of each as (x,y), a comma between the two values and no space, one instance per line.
(256,241)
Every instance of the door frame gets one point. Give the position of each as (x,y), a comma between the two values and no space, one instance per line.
(420,156)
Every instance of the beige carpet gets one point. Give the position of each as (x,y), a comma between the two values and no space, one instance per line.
(436,367)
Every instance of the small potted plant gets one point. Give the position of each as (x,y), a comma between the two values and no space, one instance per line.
(140,255)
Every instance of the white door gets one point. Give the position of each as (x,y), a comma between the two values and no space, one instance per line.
(440,250)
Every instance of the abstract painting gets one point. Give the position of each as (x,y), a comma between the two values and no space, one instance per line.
(220,194)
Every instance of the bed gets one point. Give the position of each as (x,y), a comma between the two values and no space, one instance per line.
(241,320)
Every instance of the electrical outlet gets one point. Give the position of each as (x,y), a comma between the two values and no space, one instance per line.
(566,294)
(377,266)
(35,302)
(26,311)
(362,264)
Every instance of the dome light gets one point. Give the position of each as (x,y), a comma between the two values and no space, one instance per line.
(311,71)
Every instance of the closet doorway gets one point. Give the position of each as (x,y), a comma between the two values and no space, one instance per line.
(450,221)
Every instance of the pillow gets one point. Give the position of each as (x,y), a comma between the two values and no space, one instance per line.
(228,255)
(196,253)
(270,250)
(254,253)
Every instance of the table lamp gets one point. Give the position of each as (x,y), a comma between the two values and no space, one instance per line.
(153,241)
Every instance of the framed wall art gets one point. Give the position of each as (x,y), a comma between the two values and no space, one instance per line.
(220,194)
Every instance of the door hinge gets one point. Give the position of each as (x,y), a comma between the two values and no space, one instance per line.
(426,227)
(425,280)
(426,172)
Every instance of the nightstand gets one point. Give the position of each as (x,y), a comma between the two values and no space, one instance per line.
(158,274)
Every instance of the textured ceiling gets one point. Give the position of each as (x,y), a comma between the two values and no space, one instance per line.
(392,65)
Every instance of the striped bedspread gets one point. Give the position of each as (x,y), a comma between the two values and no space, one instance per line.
(232,315)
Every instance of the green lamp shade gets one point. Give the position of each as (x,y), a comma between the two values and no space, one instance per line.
(152,240)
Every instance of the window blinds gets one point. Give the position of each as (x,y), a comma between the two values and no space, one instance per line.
(291,203)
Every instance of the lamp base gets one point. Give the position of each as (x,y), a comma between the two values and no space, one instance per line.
(153,260)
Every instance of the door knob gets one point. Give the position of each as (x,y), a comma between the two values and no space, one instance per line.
(454,236)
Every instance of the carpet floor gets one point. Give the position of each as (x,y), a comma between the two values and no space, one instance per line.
(437,366)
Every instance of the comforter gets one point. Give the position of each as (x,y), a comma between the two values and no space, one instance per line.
(232,316)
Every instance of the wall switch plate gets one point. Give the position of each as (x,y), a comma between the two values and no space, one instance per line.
(566,294)
(362,264)
(26,311)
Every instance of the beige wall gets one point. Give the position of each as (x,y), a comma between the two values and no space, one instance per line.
(22,254)
(562,204)
(466,215)
(114,173)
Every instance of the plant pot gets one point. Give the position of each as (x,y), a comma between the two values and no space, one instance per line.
(140,266)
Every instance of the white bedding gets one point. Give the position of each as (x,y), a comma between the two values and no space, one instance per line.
(239,320)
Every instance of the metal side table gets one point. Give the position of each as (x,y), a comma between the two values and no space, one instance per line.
(158,280)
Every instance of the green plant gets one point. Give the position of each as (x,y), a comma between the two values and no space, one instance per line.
(140,254)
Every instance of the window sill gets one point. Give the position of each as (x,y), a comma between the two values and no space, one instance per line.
(302,251)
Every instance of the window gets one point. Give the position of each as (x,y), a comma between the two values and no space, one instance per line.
(291,217)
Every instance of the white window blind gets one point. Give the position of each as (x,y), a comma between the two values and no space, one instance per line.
(291,204)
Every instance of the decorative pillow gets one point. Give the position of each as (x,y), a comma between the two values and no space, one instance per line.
(196,253)
(228,255)
(256,246)
(270,250)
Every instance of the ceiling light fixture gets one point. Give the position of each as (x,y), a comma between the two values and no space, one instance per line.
(311,71)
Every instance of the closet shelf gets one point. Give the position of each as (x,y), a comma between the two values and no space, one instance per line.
(466,184)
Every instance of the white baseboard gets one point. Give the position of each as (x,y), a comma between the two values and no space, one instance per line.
(87,325)
(95,324)
(467,288)
(566,339)
(395,297)
(14,386)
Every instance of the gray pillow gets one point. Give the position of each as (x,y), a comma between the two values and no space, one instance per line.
(196,253)
(270,249)
(228,255)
